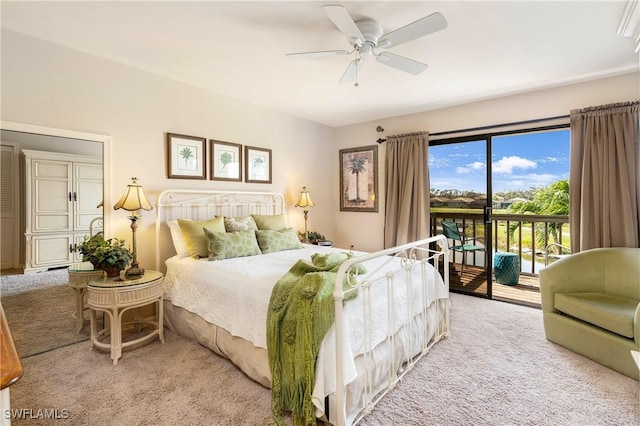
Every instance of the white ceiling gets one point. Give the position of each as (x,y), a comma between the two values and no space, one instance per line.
(490,49)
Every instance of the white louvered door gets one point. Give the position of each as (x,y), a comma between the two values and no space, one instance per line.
(9,220)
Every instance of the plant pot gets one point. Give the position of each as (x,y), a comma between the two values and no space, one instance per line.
(111,271)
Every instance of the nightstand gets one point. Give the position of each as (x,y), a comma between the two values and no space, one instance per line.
(78,280)
(115,297)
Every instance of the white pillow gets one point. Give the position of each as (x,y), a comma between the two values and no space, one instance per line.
(178,239)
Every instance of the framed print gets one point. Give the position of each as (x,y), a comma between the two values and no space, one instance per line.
(186,157)
(257,165)
(359,179)
(226,161)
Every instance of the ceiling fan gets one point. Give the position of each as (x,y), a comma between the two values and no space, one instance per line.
(366,35)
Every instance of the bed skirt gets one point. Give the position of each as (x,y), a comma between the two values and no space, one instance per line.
(253,361)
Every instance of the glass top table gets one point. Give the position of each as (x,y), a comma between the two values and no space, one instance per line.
(105,282)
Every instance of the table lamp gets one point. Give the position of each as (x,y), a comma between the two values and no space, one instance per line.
(133,200)
(305,201)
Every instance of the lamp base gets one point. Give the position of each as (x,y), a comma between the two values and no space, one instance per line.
(134,272)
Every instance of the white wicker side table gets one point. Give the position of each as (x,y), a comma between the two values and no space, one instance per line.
(78,280)
(115,297)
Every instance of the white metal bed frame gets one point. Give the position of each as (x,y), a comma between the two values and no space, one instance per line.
(198,204)
(415,254)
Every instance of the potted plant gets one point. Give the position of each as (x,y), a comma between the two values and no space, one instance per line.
(109,255)
(314,237)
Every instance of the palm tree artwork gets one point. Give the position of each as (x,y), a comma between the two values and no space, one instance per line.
(357,165)
(187,157)
(257,164)
(225,158)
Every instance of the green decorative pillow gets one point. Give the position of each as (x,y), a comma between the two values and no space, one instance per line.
(240,223)
(225,245)
(272,241)
(270,222)
(194,236)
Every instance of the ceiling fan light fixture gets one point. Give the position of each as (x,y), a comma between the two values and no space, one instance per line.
(364,34)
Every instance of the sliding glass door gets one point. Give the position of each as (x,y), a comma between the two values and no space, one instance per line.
(507,193)
(460,197)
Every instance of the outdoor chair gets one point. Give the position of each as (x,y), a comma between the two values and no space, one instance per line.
(452,232)
(564,252)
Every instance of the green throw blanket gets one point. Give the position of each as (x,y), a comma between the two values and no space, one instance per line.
(301,311)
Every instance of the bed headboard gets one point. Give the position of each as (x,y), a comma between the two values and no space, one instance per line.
(200,205)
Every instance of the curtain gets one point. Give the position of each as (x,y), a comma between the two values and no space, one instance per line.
(605,176)
(406,189)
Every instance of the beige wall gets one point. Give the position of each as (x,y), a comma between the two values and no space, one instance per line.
(48,85)
(365,230)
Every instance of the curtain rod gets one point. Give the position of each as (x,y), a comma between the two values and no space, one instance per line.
(493,126)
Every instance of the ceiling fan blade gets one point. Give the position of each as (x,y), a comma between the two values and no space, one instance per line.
(352,71)
(343,21)
(401,63)
(320,53)
(420,28)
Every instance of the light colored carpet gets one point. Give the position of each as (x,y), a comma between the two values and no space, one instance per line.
(39,309)
(496,368)
(13,284)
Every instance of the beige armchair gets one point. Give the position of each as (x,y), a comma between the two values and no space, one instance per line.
(591,305)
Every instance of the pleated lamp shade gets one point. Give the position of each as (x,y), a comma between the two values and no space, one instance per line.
(305,199)
(133,198)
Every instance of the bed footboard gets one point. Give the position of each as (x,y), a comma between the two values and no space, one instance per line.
(423,320)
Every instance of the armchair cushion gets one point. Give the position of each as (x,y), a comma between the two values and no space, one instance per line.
(611,312)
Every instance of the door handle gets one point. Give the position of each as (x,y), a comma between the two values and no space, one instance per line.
(487,215)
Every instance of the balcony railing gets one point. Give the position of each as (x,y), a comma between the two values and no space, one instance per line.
(531,236)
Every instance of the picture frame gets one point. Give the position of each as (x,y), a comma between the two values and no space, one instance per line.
(359,179)
(186,157)
(226,161)
(257,165)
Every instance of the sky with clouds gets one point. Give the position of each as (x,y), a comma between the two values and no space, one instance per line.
(519,161)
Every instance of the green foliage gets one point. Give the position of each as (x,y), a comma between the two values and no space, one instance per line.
(549,200)
(314,236)
(103,253)
(527,194)
(456,193)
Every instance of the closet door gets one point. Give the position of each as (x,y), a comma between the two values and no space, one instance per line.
(51,196)
(87,194)
(9,220)
(51,250)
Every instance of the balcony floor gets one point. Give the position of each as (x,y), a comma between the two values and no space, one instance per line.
(474,281)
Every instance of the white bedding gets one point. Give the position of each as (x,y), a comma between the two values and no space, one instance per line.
(235,293)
